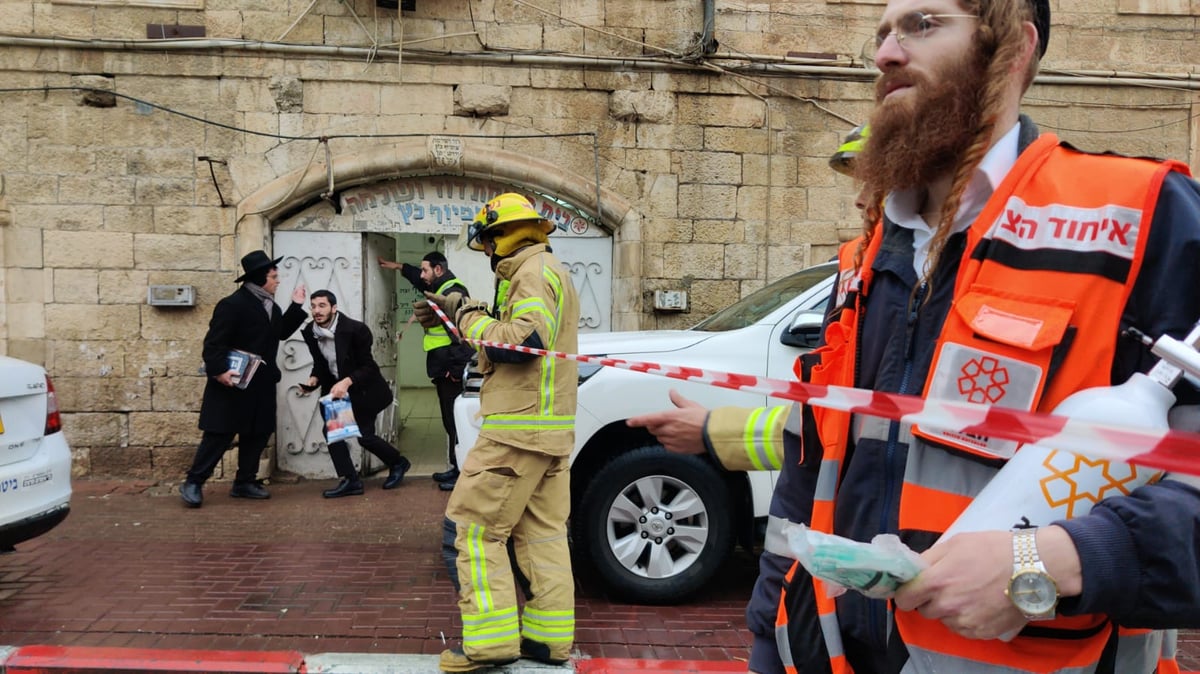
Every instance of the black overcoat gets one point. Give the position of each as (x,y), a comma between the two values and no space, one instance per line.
(444,362)
(369,391)
(240,322)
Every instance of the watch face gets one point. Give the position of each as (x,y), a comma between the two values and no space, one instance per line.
(1033,592)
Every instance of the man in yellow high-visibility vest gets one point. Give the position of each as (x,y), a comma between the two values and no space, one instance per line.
(445,358)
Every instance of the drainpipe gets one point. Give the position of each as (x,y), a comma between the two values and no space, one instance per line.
(708,43)
(5,210)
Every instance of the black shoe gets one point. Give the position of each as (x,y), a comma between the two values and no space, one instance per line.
(345,488)
(249,490)
(536,650)
(396,473)
(447,486)
(446,475)
(192,494)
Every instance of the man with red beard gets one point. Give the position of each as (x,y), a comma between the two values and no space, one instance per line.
(985,240)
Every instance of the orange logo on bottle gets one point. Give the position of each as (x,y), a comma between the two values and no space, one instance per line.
(1076,479)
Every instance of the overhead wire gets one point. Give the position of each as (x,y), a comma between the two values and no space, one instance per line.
(706,65)
(278,136)
(323,141)
(297,21)
(763,66)
(560,17)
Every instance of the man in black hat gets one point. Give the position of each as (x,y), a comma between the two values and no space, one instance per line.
(251,322)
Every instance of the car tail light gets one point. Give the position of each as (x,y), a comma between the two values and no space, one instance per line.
(53,418)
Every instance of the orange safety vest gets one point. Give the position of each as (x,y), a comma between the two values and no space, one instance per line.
(1055,200)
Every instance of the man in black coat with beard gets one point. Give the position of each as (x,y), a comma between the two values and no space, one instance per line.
(248,320)
(445,357)
(344,367)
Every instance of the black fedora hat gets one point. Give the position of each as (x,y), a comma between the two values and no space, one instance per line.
(256,261)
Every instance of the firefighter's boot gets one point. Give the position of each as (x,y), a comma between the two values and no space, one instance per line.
(536,650)
(454,660)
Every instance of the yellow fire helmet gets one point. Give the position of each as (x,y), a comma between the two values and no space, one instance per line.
(506,208)
(842,161)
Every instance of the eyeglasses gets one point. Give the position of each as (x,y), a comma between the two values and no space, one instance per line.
(914,26)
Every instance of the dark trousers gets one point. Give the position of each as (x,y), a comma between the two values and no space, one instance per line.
(339,452)
(447,391)
(214,445)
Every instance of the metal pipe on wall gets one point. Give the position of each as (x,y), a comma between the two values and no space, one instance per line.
(708,40)
(1182,81)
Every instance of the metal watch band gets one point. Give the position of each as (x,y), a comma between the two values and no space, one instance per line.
(1025,553)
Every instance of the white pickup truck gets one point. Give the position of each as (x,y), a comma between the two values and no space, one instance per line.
(656,526)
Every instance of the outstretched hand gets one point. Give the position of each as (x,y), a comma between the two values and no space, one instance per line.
(299,293)
(388,264)
(680,430)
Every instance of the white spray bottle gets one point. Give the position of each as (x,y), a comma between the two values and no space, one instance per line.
(1040,485)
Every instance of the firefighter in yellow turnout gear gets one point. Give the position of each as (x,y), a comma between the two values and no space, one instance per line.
(515,482)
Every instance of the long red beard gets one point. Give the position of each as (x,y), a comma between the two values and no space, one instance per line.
(916,141)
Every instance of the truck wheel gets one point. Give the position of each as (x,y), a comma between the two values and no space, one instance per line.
(655,525)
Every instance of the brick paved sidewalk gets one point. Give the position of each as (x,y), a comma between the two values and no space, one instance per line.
(131,567)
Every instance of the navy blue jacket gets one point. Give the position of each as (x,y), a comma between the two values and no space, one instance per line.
(1140,553)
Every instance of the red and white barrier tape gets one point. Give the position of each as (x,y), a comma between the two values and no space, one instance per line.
(1174,451)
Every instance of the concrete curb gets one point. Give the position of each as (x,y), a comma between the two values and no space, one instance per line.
(112,660)
(381,663)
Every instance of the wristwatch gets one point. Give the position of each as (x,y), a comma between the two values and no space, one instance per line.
(1031,589)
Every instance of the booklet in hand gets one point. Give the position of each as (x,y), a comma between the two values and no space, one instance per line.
(244,364)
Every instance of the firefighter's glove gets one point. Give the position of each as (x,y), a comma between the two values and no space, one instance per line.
(473,306)
(424,313)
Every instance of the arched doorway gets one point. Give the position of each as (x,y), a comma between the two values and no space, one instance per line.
(334,242)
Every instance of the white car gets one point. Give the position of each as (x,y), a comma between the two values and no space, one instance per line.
(656,526)
(35,461)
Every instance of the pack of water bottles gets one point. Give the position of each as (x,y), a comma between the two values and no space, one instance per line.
(339,419)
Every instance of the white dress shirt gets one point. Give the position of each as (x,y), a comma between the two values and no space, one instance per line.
(903,206)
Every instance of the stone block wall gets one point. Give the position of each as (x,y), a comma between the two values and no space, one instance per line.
(724,164)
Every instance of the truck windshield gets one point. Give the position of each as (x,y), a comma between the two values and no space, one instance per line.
(753,307)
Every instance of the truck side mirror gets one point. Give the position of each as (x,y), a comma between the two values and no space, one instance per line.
(804,331)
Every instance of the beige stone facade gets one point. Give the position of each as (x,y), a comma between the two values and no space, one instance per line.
(708,169)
